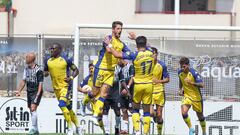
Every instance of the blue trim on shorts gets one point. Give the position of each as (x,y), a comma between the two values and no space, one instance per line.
(101,99)
(62,103)
(146,114)
(135,111)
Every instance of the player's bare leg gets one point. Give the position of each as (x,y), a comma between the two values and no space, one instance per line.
(153,113)
(186,118)
(159,119)
(201,118)
(117,120)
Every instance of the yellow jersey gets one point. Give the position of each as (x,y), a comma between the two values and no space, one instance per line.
(106,60)
(143,63)
(159,72)
(58,69)
(190,91)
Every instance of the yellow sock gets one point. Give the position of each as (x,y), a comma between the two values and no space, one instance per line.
(159,128)
(74,118)
(99,106)
(203,125)
(136,120)
(187,120)
(67,116)
(86,99)
(147,122)
(100,122)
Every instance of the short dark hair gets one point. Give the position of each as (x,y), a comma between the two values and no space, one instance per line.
(155,50)
(184,60)
(115,23)
(58,45)
(141,41)
(90,64)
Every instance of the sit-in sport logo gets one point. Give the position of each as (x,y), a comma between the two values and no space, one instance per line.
(217,67)
(14,116)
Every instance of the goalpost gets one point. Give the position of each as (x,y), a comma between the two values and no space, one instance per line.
(79,27)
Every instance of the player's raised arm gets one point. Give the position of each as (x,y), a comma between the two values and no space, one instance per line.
(132,35)
(106,42)
(109,48)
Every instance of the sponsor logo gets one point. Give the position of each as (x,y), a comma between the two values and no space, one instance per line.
(14,115)
(216,68)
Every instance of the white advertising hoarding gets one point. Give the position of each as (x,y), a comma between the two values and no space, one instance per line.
(222,118)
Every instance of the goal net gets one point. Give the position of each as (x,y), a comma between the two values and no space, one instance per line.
(213,52)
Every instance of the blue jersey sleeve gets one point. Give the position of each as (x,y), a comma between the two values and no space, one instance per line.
(69,60)
(129,55)
(85,81)
(196,75)
(125,48)
(165,71)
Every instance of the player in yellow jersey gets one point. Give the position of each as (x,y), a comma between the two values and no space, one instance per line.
(190,83)
(59,66)
(89,82)
(143,62)
(86,81)
(160,77)
(104,68)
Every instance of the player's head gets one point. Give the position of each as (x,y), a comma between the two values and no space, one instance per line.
(91,67)
(56,49)
(117,29)
(155,52)
(141,42)
(122,62)
(184,64)
(30,58)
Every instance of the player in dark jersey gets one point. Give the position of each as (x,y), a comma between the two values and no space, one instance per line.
(33,79)
(125,99)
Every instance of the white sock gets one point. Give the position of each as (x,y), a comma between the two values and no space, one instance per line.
(125,125)
(106,124)
(118,121)
(34,120)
